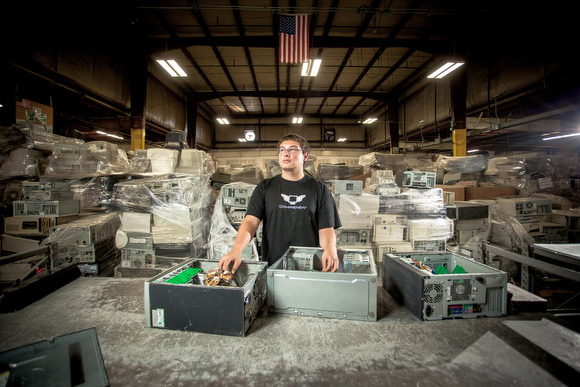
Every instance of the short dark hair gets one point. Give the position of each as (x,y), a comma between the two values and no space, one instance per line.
(299,139)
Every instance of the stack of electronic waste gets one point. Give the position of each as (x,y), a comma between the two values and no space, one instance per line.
(415,218)
(89,242)
(530,213)
(21,162)
(94,193)
(228,213)
(441,285)
(394,220)
(43,205)
(570,219)
(192,296)
(95,158)
(172,210)
(354,210)
(471,219)
(297,286)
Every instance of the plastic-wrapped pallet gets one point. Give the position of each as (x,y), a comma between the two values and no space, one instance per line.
(180,205)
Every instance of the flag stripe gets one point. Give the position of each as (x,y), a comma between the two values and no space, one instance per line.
(294,42)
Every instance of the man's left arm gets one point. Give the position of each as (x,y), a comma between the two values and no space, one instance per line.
(329,258)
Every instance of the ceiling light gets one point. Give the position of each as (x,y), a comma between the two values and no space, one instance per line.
(369,121)
(297,120)
(342,139)
(445,69)
(223,121)
(241,139)
(110,135)
(310,68)
(562,136)
(473,151)
(172,68)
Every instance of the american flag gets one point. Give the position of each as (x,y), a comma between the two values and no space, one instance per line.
(294,43)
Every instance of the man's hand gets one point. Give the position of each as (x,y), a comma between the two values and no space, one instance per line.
(329,260)
(225,261)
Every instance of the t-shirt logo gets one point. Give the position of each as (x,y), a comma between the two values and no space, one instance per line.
(292,199)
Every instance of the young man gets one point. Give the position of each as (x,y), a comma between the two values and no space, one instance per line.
(296,210)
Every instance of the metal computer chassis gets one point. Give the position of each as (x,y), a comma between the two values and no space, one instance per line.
(481,291)
(222,310)
(297,286)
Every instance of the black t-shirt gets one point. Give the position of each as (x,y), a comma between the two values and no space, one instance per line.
(292,212)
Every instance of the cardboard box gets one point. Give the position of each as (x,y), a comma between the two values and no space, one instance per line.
(486,193)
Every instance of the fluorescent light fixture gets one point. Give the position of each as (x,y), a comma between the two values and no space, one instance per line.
(310,68)
(177,68)
(342,139)
(473,151)
(297,120)
(562,136)
(110,135)
(369,121)
(445,69)
(223,121)
(172,68)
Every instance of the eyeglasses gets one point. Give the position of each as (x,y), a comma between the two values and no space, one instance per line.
(291,150)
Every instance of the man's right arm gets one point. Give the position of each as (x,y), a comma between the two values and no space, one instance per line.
(245,234)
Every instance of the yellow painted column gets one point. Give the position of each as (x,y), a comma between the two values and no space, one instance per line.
(460,142)
(137,139)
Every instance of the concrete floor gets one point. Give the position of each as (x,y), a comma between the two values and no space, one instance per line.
(284,350)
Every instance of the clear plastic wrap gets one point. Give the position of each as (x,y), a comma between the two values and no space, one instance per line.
(430,229)
(195,161)
(415,203)
(462,164)
(180,205)
(140,164)
(222,232)
(85,231)
(37,137)
(93,193)
(96,158)
(247,173)
(21,162)
(374,161)
(10,137)
(329,172)
(356,211)
(163,160)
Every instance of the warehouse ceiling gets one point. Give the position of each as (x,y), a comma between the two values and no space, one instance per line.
(371,51)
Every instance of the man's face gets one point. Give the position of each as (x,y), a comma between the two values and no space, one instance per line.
(291,159)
